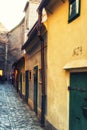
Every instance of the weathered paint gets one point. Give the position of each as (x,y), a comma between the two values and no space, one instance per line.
(66,43)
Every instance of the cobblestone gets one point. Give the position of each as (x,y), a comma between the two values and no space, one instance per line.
(15,114)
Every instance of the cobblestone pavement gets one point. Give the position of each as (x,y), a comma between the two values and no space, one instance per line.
(15,114)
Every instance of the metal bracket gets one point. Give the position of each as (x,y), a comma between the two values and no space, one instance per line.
(76,89)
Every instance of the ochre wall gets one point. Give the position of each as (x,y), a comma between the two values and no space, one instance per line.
(66,42)
(31,61)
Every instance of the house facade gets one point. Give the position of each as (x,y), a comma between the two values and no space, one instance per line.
(31,15)
(20,36)
(19,76)
(33,69)
(67,63)
(16,39)
(52,77)
(33,56)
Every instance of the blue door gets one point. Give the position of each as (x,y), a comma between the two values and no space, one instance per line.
(35,88)
(27,86)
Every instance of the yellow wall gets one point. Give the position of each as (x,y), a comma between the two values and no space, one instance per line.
(63,40)
(23,81)
(1,72)
(30,62)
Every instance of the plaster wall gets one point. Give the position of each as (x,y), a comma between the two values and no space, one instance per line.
(33,15)
(67,42)
(30,62)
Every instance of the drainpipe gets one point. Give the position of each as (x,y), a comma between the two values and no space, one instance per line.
(43,103)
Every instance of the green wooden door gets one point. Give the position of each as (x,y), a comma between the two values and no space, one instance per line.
(35,88)
(78,101)
(27,86)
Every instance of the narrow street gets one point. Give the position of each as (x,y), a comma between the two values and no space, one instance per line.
(15,114)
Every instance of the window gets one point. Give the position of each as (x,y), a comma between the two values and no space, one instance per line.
(74,9)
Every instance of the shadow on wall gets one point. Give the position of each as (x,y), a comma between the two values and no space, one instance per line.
(3,79)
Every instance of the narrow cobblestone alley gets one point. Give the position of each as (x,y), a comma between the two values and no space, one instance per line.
(15,114)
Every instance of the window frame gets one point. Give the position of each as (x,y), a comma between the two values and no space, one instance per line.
(71,18)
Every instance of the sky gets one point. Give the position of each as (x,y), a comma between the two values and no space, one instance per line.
(11,12)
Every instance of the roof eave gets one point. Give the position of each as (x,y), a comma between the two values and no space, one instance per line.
(26,6)
(45,3)
(31,34)
(42,5)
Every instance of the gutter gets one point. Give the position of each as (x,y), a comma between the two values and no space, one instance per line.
(42,5)
(43,103)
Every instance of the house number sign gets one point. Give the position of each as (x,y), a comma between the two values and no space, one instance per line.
(77,51)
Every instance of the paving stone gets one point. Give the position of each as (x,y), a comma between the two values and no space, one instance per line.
(15,114)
